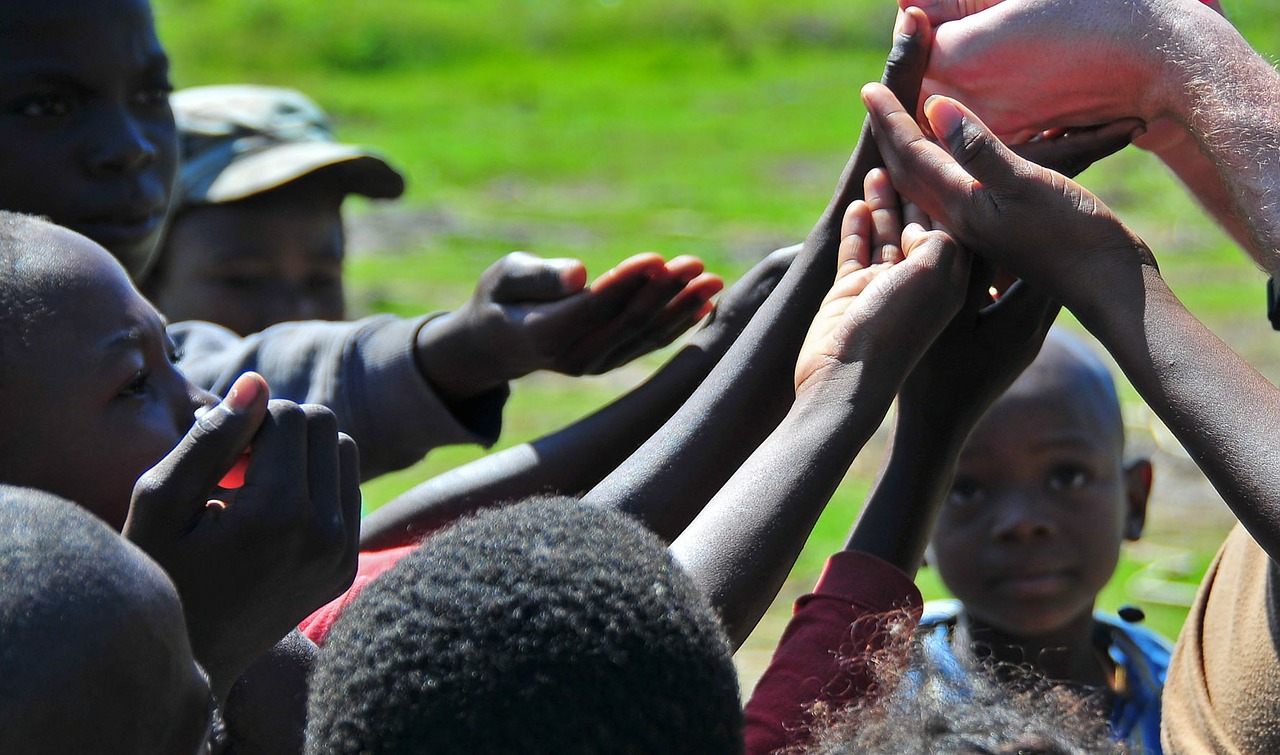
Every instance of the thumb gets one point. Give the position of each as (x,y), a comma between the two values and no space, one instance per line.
(175,489)
(523,277)
(973,146)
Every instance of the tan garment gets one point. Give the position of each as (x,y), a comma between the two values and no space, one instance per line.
(1223,690)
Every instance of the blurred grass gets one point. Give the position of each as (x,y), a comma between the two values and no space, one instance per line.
(596,129)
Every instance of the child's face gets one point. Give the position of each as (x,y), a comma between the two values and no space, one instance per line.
(1032,527)
(251,264)
(92,399)
(86,134)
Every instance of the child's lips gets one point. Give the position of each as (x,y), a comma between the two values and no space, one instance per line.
(1027,584)
(122,226)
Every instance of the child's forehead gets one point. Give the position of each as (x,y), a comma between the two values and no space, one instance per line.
(58,34)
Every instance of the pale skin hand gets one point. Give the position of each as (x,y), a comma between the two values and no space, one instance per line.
(1219,407)
(1210,103)
(530,314)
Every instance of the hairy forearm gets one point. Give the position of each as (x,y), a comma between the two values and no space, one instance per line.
(1226,98)
(741,547)
(1223,411)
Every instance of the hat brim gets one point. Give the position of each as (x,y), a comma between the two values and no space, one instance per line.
(363,172)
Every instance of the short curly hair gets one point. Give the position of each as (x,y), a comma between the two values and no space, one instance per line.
(549,626)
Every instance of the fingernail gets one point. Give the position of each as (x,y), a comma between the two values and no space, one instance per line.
(244,392)
(945,118)
(906,24)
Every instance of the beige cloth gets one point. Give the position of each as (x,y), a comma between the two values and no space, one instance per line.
(1223,690)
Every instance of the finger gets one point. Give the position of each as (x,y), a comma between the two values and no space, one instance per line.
(919,169)
(904,71)
(1077,149)
(941,11)
(175,490)
(275,484)
(975,149)
(520,277)
(349,471)
(689,306)
(613,291)
(324,474)
(886,218)
(855,239)
(912,214)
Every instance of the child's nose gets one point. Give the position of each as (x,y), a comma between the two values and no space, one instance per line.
(1020,516)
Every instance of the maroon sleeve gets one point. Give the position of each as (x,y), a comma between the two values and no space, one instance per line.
(822,653)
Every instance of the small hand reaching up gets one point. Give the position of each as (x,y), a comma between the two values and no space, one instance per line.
(896,288)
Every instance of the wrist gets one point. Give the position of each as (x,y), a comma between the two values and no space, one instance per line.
(448,361)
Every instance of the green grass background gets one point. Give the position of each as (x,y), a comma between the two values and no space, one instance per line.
(599,128)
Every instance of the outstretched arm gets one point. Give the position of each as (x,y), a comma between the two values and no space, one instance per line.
(751,389)
(876,320)
(574,459)
(1058,236)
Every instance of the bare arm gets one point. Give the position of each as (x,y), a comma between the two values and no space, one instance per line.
(1221,409)
(750,390)
(574,459)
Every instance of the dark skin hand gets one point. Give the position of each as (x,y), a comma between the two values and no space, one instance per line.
(574,459)
(530,314)
(276,549)
(971,363)
(1053,232)
(890,299)
(751,390)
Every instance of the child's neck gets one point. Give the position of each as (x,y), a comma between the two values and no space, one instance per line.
(1068,654)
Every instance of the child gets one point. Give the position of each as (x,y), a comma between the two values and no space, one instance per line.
(549,626)
(256,237)
(1030,533)
(92,401)
(87,138)
(95,656)
(1224,676)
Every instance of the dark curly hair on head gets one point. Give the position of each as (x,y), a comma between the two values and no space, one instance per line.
(548,626)
(937,701)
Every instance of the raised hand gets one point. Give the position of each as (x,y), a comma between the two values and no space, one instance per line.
(530,314)
(253,562)
(919,274)
(1036,223)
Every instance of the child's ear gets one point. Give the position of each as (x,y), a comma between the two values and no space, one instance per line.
(1137,483)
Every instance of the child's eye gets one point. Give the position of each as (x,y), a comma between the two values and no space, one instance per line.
(137,385)
(965,492)
(1068,477)
(44,106)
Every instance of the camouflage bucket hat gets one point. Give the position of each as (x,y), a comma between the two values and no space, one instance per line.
(242,140)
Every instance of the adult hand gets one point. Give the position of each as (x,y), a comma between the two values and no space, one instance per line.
(253,562)
(530,314)
(1036,223)
(1031,65)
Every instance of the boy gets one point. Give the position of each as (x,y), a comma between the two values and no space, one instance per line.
(92,401)
(256,237)
(88,139)
(1030,532)
(95,655)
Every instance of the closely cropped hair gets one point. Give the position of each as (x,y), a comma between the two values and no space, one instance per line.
(942,701)
(20,302)
(549,626)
